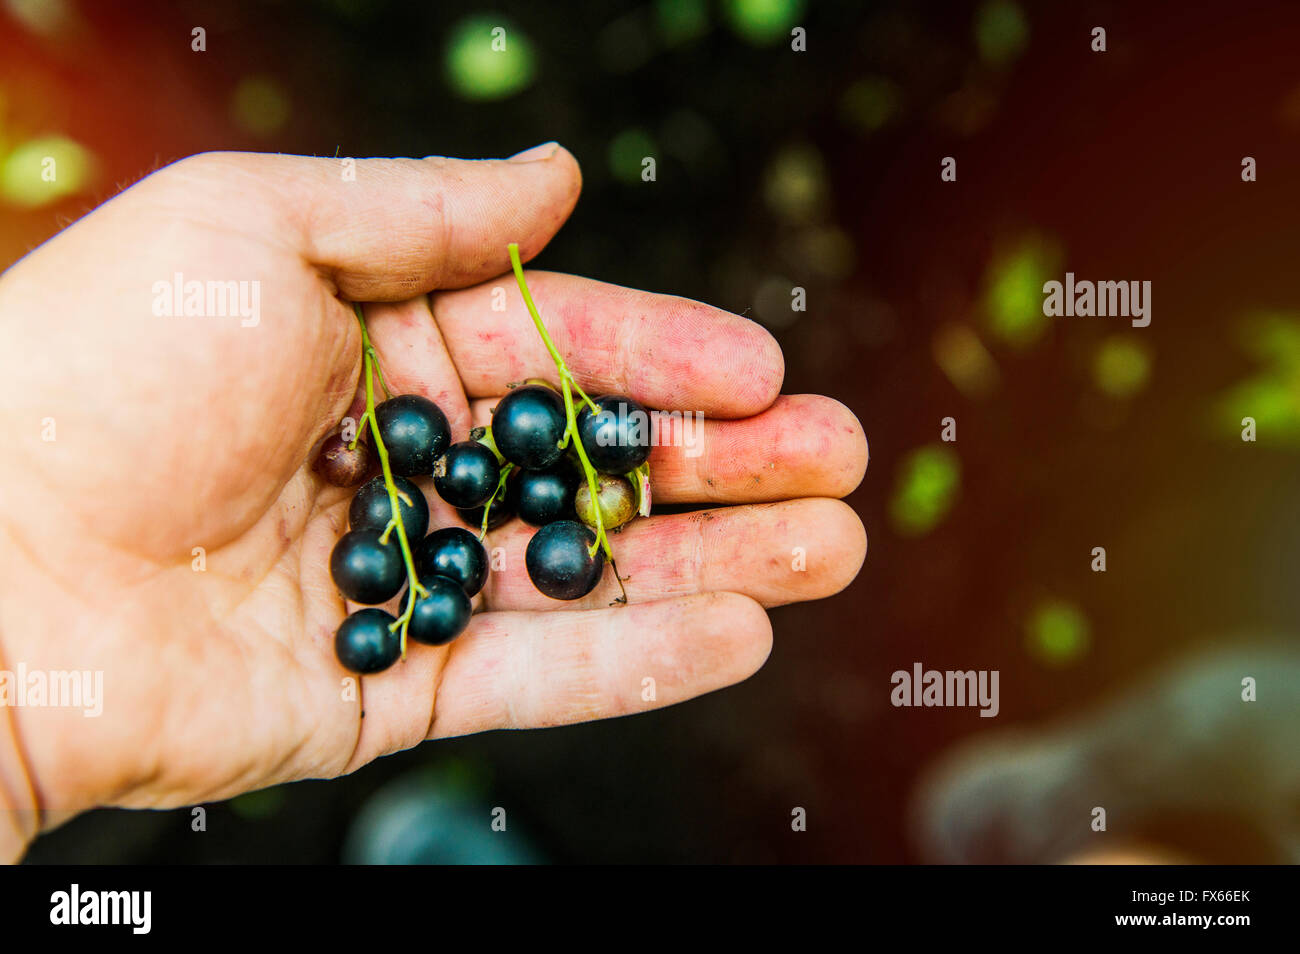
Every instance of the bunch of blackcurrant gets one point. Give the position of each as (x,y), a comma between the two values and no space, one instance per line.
(573,466)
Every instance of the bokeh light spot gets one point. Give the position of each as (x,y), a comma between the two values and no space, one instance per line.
(681,21)
(1014,298)
(773,303)
(1271,395)
(260,106)
(627,44)
(627,154)
(925,489)
(763,22)
(1001,32)
(46,17)
(44,170)
(478,68)
(1121,367)
(1057,632)
(870,103)
(1274,337)
(795,186)
(827,250)
(963,358)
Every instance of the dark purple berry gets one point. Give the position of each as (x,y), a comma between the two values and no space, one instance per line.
(340,466)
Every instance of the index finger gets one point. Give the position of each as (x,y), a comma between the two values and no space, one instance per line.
(664,351)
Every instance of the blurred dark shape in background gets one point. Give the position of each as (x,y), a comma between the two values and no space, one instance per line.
(435,816)
(1190,752)
(781,172)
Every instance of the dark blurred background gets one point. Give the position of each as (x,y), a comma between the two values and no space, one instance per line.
(819,168)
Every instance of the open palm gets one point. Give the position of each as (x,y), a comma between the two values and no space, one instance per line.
(160,522)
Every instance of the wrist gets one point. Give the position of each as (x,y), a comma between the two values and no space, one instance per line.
(20,816)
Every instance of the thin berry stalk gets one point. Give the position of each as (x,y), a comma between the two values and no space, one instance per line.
(370,368)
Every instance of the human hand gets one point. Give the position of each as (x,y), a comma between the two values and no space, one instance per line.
(171,433)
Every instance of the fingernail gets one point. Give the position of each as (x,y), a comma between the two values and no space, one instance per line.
(544,151)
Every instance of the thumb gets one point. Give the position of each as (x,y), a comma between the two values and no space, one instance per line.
(391,229)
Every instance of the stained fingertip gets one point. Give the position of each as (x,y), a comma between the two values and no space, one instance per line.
(664,351)
(849,435)
(741,359)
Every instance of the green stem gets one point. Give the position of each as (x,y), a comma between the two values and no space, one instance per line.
(487,507)
(370,368)
(565,377)
(368,349)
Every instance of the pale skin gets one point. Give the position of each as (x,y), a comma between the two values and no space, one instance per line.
(171,433)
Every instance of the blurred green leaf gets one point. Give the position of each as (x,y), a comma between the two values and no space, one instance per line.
(925,489)
(1001,32)
(763,22)
(1013,299)
(1057,632)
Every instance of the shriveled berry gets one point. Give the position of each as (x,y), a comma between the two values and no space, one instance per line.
(341,466)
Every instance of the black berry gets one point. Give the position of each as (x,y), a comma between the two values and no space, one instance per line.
(365,570)
(371,509)
(455,553)
(441,616)
(466,476)
(415,433)
(502,511)
(365,644)
(558,562)
(528,425)
(617,440)
(540,497)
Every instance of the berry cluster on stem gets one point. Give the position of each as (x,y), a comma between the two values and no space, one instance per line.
(369,370)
